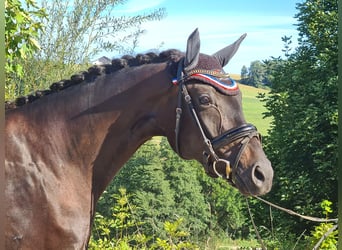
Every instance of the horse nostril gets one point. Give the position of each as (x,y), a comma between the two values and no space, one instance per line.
(258,174)
(261,178)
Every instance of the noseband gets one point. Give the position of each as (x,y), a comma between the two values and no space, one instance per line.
(244,132)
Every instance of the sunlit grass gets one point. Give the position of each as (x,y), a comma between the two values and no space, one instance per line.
(252,107)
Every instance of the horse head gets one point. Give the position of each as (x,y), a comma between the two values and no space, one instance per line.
(210,125)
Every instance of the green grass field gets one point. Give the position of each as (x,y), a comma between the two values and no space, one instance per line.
(253,108)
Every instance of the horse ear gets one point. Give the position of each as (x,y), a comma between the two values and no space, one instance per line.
(224,55)
(192,51)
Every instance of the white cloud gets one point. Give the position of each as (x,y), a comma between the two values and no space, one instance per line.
(263,35)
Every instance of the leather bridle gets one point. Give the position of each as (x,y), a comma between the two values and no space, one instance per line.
(244,132)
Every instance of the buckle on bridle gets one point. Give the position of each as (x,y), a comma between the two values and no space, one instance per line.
(215,163)
(227,168)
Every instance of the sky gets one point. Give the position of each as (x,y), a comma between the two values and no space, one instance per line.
(220,23)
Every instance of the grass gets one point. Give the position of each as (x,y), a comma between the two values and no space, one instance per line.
(252,107)
(229,244)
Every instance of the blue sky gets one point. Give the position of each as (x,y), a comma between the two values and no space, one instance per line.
(220,23)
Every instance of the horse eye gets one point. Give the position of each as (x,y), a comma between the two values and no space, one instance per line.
(204,99)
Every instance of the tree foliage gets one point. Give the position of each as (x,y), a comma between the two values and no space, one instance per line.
(256,73)
(330,241)
(244,73)
(24,21)
(120,229)
(176,238)
(91,27)
(166,188)
(260,73)
(75,33)
(21,31)
(302,141)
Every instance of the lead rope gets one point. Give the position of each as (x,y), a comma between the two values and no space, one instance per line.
(289,211)
(254,226)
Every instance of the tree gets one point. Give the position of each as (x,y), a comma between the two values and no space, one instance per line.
(227,208)
(189,200)
(91,27)
(120,229)
(77,31)
(287,45)
(256,74)
(144,178)
(165,188)
(270,66)
(24,20)
(260,73)
(244,74)
(302,142)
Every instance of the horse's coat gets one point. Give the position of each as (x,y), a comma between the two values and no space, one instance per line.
(64,148)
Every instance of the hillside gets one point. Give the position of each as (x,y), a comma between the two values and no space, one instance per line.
(253,108)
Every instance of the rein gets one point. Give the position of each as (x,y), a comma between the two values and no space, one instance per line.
(245,132)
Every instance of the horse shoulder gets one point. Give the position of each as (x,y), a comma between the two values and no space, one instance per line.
(39,203)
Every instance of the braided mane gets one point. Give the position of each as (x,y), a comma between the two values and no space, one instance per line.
(93,72)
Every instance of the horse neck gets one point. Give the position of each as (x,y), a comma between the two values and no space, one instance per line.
(139,113)
(126,110)
(94,128)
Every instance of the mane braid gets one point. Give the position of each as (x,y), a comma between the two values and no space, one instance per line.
(172,56)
